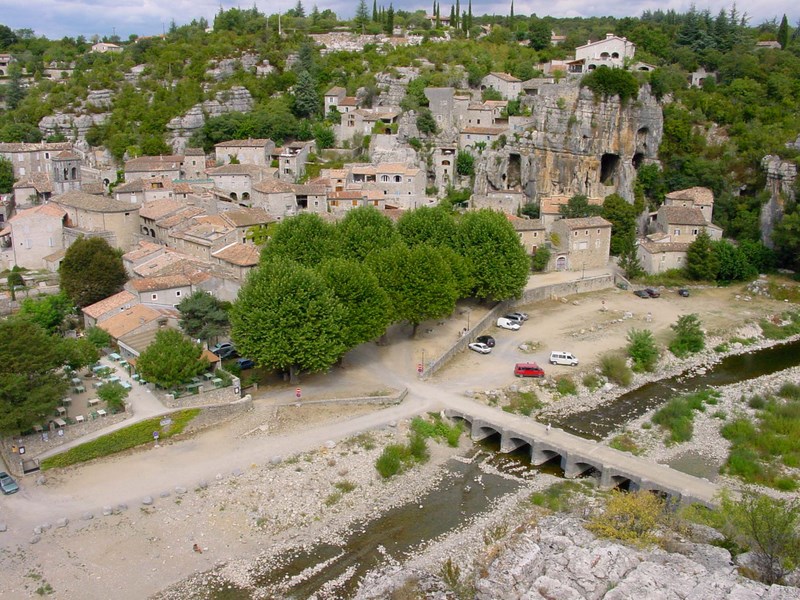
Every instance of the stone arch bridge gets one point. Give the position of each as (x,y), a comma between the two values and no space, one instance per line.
(579,456)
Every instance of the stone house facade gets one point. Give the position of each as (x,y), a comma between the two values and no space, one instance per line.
(580,243)
(470,136)
(509,86)
(99,216)
(27,159)
(657,257)
(291,159)
(613,51)
(237,180)
(33,234)
(145,167)
(247,152)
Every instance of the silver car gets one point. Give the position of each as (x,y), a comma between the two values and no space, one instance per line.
(7,484)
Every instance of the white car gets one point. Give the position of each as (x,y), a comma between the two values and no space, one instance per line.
(507,324)
(518,316)
(480,347)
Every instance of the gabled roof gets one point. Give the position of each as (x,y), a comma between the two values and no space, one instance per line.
(243,255)
(93,203)
(180,217)
(485,130)
(154,163)
(28,147)
(505,77)
(584,223)
(154,284)
(129,320)
(273,186)
(248,217)
(682,215)
(158,209)
(248,143)
(47,210)
(117,301)
(525,224)
(701,196)
(658,247)
(240,169)
(348,101)
(336,91)
(551,205)
(39,181)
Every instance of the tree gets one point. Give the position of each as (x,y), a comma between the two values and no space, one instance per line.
(607,82)
(426,123)
(702,262)
(733,264)
(362,16)
(306,97)
(578,207)
(539,34)
(15,280)
(689,336)
(419,282)
(91,271)
(286,317)
(622,216)
(48,312)
(783,33)
(113,394)
(498,263)
(31,382)
(98,337)
(388,26)
(425,225)
(367,311)
(14,91)
(79,353)
(202,316)
(324,136)
(172,359)
(769,528)
(305,239)
(642,349)
(362,231)
(6,175)
(540,259)
(465,163)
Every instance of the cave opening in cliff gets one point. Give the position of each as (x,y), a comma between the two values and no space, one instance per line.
(608,168)
(514,180)
(641,138)
(638,158)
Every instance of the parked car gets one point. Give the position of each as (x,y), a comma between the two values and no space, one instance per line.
(641,293)
(528,370)
(7,484)
(519,315)
(227,353)
(558,357)
(507,324)
(683,292)
(653,293)
(480,348)
(486,339)
(224,349)
(514,317)
(245,363)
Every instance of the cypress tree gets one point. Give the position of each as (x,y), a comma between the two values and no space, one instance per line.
(783,33)
(375,10)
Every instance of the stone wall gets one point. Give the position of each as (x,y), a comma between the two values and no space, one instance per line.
(206,397)
(393,399)
(214,415)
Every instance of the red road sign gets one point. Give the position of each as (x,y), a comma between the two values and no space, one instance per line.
(297,392)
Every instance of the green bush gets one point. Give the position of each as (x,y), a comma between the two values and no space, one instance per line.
(642,349)
(565,386)
(122,439)
(437,429)
(689,337)
(625,442)
(592,381)
(391,460)
(615,367)
(540,259)
(523,403)
(607,82)
(677,416)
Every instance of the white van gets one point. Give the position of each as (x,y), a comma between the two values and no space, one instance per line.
(563,358)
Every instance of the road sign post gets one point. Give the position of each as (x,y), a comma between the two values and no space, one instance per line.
(297,393)
(419,368)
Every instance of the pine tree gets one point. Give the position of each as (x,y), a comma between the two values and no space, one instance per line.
(452,14)
(469,18)
(783,33)
(375,11)
(457,15)
(389,22)
(511,16)
(362,16)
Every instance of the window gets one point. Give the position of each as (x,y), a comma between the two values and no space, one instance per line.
(586,232)
(677,232)
(598,232)
(535,234)
(398,179)
(694,231)
(153,296)
(50,242)
(597,243)
(22,170)
(582,245)
(384,178)
(575,234)
(178,293)
(47,155)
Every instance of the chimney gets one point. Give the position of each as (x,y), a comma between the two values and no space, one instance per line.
(609,36)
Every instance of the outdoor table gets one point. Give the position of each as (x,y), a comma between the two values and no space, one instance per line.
(102,412)
(94,402)
(66,401)
(114,356)
(208,376)
(60,422)
(97,384)
(113,379)
(217,381)
(98,368)
(76,380)
(135,377)
(61,411)
(123,363)
(79,419)
(125,385)
(79,389)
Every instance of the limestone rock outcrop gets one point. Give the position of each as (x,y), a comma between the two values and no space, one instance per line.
(73,126)
(237,99)
(574,144)
(781,177)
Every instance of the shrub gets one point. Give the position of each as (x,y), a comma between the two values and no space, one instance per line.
(607,82)
(630,517)
(592,381)
(642,349)
(390,461)
(523,403)
(437,429)
(616,368)
(689,337)
(465,163)
(540,259)
(565,386)
(625,442)
(122,439)
(557,497)
(677,415)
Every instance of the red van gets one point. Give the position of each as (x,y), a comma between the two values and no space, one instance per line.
(528,370)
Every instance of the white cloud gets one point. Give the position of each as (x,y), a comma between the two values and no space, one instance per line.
(57,18)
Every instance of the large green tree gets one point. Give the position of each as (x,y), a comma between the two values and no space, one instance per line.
(286,317)
(733,263)
(91,271)
(364,230)
(172,359)
(622,216)
(305,239)
(419,281)
(367,311)
(306,97)
(702,262)
(435,226)
(498,263)
(6,175)
(31,384)
(578,207)
(48,311)
(202,316)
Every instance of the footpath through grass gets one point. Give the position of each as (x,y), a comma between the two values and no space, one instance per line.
(122,439)
(761,451)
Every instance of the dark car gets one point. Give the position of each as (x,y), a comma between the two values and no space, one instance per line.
(227,353)
(653,293)
(223,350)
(641,293)
(245,363)
(7,484)
(485,339)
(683,292)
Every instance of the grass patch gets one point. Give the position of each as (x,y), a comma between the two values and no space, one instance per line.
(677,416)
(784,291)
(761,450)
(365,440)
(558,496)
(397,458)
(566,386)
(592,381)
(669,278)
(743,341)
(123,439)
(625,442)
(615,367)
(437,429)
(723,347)
(779,331)
(523,403)
(333,498)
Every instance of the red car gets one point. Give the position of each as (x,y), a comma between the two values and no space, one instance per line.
(528,370)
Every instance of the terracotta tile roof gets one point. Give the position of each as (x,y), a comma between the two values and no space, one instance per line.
(657,247)
(273,186)
(309,190)
(701,196)
(194,152)
(145,249)
(336,91)
(55,256)
(158,209)
(135,185)
(129,320)
(347,195)
(180,217)
(39,181)
(248,143)
(66,155)
(48,210)
(84,201)
(42,146)
(154,163)
(248,217)
(525,224)
(164,282)
(115,302)
(96,188)
(505,77)
(551,205)
(243,255)
(485,130)
(682,215)
(241,169)
(585,223)
(348,101)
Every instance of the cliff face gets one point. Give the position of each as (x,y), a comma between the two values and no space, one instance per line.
(572,144)
(781,177)
(180,129)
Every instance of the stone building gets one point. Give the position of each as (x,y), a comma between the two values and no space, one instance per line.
(509,86)
(249,152)
(580,244)
(99,216)
(290,160)
(146,167)
(33,234)
(236,180)
(612,52)
(27,159)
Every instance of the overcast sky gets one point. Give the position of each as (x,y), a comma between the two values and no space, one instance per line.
(58,18)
